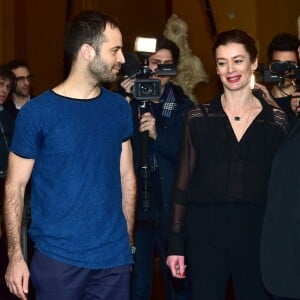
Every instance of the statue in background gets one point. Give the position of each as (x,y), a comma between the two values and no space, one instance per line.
(190,68)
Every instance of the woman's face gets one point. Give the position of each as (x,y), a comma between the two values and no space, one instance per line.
(234,66)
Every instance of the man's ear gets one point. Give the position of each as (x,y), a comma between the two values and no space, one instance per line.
(87,52)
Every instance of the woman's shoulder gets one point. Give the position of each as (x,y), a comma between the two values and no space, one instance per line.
(280,118)
(207,109)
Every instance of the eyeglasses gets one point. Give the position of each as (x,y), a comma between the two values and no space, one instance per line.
(24,78)
(5,84)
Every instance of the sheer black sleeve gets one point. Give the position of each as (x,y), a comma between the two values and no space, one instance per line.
(180,196)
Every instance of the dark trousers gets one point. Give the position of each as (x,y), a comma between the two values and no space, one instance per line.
(55,280)
(148,241)
(223,243)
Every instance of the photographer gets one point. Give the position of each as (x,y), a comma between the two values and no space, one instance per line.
(284,48)
(162,120)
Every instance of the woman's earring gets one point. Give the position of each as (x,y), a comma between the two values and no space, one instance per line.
(252,81)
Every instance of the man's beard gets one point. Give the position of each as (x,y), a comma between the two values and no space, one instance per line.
(20,93)
(101,71)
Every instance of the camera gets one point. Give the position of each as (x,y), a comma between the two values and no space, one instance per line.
(145,87)
(278,72)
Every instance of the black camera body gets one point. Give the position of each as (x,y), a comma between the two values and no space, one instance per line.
(266,76)
(278,72)
(145,88)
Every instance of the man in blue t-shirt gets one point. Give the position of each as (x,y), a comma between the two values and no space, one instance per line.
(74,143)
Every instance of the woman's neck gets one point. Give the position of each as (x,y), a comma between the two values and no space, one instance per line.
(238,101)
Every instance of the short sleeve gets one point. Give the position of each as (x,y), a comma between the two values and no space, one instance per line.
(27,137)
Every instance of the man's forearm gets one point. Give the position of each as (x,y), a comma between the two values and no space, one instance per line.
(13,212)
(129,203)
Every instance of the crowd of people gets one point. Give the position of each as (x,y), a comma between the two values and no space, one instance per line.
(115,180)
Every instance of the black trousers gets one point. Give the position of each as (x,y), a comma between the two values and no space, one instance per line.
(223,243)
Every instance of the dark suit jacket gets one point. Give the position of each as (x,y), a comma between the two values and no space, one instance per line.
(10,107)
(280,243)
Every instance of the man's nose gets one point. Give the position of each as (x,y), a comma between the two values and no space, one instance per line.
(121,58)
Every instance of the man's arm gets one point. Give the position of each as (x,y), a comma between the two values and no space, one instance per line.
(17,274)
(128,182)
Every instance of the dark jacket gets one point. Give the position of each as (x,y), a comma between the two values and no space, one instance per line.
(280,243)
(10,107)
(6,132)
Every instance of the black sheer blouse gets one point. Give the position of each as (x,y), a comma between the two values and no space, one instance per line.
(215,168)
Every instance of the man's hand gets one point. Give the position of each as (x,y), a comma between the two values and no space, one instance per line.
(127,85)
(17,277)
(147,123)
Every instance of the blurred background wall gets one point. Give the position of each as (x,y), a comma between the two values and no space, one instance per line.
(33,30)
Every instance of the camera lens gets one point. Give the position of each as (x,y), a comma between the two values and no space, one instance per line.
(146,89)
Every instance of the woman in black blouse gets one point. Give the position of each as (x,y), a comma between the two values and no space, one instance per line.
(220,193)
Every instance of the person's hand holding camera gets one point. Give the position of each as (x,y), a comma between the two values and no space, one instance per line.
(147,123)
(127,85)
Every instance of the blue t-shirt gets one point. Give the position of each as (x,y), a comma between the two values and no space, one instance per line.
(76,197)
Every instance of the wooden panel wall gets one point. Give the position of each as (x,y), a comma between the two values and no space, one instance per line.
(7,30)
(133,16)
(33,31)
(45,30)
(273,17)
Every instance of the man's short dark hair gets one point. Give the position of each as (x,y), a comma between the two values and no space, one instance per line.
(86,28)
(283,42)
(6,74)
(15,63)
(164,43)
